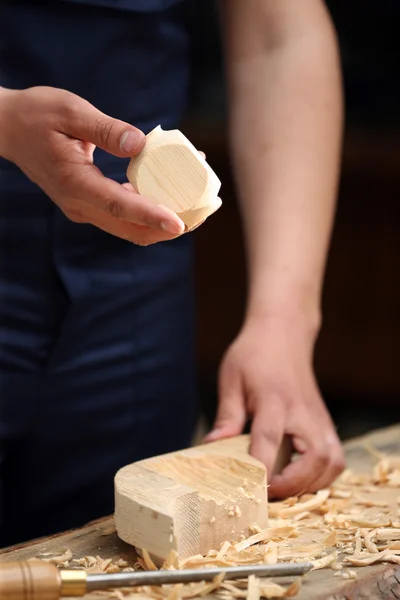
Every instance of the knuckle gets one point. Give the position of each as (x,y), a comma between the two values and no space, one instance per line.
(146,218)
(113,207)
(103,131)
(71,108)
(338,462)
(110,202)
(322,457)
(267,435)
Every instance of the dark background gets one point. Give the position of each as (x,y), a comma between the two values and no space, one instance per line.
(356,357)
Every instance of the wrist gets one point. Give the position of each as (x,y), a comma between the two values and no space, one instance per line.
(290,301)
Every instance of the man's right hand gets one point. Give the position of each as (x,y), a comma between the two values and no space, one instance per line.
(51,135)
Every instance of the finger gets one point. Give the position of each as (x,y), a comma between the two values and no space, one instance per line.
(335,466)
(299,476)
(202,154)
(87,123)
(137,234)
(293,480)
(129,186)
(119,202)
(231,415)
(267,431)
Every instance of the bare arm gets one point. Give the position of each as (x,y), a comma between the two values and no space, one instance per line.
(286,127)
(285,122)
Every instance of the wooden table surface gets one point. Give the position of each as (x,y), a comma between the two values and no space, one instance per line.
(380,581)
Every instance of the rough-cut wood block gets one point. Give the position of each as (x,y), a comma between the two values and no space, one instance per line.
(170,171)
(192,500)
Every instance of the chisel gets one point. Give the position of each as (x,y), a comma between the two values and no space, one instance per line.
(39,580)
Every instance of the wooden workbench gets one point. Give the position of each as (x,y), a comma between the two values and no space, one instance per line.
(375,582)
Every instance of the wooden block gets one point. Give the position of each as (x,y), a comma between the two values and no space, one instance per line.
(170,171)
(191,501)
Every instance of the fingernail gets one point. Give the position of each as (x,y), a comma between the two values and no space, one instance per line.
(130,140)
(172,227)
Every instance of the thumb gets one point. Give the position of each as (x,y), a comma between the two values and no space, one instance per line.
(231,414)
(109,134)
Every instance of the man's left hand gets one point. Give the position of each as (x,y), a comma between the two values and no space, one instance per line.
(267,375)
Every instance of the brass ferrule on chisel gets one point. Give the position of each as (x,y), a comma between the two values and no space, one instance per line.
(73,582)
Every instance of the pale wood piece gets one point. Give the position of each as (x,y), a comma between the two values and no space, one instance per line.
(191,501)
(170,171)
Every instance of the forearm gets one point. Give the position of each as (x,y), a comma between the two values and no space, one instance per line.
(285,123)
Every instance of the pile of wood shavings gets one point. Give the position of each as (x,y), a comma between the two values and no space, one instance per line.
(353,524)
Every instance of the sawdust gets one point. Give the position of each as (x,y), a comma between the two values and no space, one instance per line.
(352,524)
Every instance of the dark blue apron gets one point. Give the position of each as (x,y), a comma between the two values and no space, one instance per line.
(96,334)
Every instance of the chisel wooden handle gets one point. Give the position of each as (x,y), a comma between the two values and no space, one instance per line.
(39,580)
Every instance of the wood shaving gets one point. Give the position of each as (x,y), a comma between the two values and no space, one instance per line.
(195,563)
(255,528)
(234,589)
(348,574)
(274,590)
(172,561)
(393,546)
(266,534)
(121,563)
(325,561)
(341,494)
(282,510)
(395,524)
(148,561)
(253,588)
(301,516)
(270,555)
(302,551)
(369,544)
(56,560)
(203,588)
(176,592)
(225,546)
(370,559)
(107,530)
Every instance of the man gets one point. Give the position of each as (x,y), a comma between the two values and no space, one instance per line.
(96,355)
